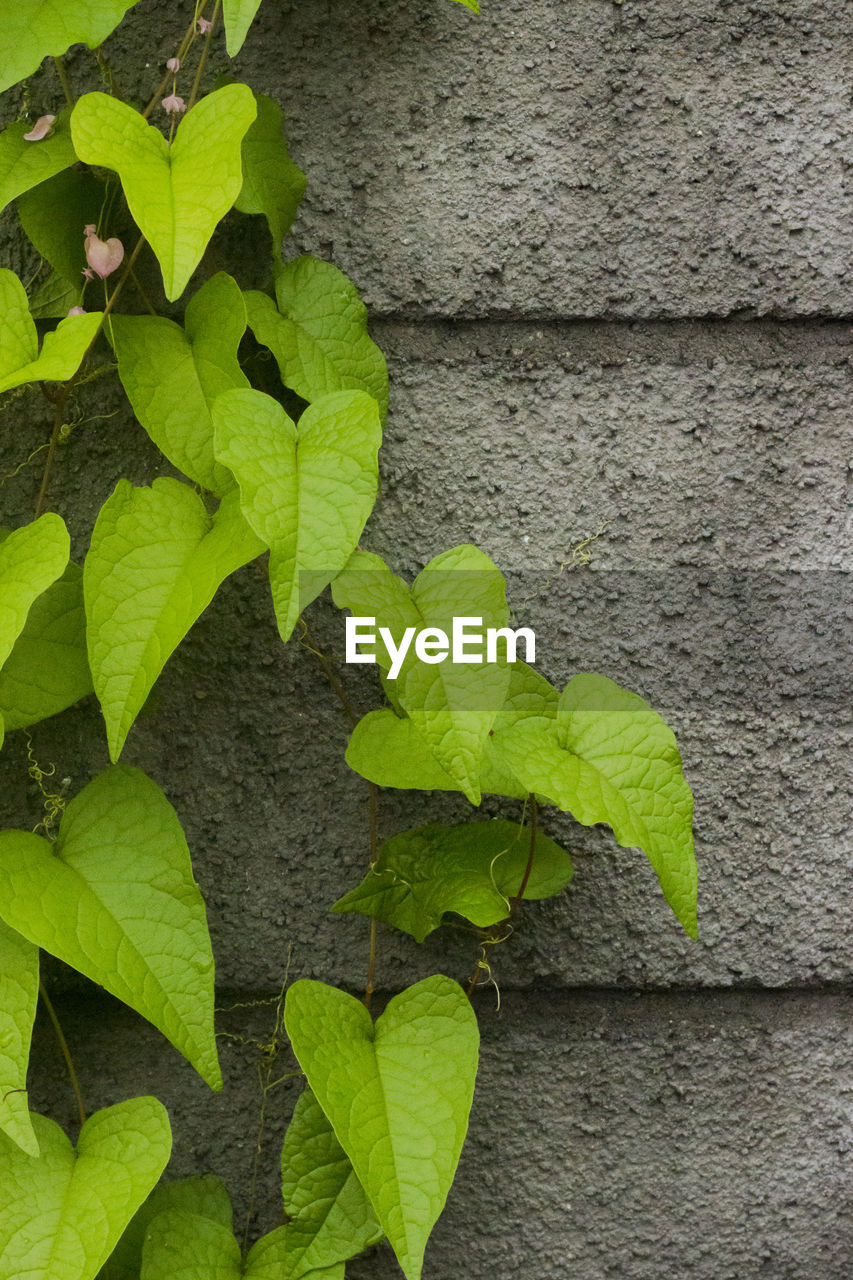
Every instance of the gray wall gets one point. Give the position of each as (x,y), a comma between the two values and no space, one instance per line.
(607,249)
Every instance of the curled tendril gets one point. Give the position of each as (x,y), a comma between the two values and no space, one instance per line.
(54,801)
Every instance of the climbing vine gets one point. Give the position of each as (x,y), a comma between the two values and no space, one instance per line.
(120,204)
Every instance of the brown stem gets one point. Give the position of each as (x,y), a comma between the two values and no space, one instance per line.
(203,58)
(529,866)
(183,50)
(66,1052)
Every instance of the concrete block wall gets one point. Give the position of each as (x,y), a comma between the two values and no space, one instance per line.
(607,249)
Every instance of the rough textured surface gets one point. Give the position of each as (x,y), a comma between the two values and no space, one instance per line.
(607,250)
(648,1137)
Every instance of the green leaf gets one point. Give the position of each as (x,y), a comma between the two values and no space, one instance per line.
(453,705)
(26,164)
(31,559)
(473,869)
(53,215)
(48,669)
(114,897)
(176,194)
(64,1211)
(180,1245)
(61,352)
(397,1094)
(173,375)
(318,333)
(306,491)
(155,563)
(272,184)
(330,1216)
(30,32)
(392,752)
(610,758)
(239,16)
(203,1196)
(54,297)
(471,4)
(19,986)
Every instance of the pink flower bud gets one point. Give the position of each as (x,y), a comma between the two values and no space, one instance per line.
(173,103)
(76,311)
(42,128)
(103,256)
(88,273)
(173,65)
(204,25)
(90,229)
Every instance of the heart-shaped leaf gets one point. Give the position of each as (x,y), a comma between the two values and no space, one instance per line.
(272,184)
(306,491)
(64,1211)
(330,1216)
(318,332)
(176,193)
(61,351)
(155,563)
(392,752)
(19,985)
(173,375)
(25,164)
(39,28)
(473,869)
(48,669)
(452,704)
(203,1196)
(397,1094)
(608,757)
(180,1245)
(31,559)
(114,897)
(239,16)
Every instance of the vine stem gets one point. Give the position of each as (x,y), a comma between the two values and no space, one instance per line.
(64,80)
(61,400)
(66,1052)
(203,57)
(514,901)
(183,50)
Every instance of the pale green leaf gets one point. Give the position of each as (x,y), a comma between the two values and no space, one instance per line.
(64,1211)
(181,1245)
(306,491)
(330,1216)
(391,751)
(54,214)
(19,985)
(32,31)
(61,352)
(31,559)
(203,1195)
(173,375)
(271,1259)
(26,164)
(471,4)
(272,184)
(610,758)
(397,1095)
(318,333)
(114,897)
(176,193)
(453,705)
(155,563)
(239,16)
(473,869)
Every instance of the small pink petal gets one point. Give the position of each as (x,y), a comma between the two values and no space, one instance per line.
(90,229)
(173,65)
(42,128)
(205,25)
(88,273)
(103,256)
(174,103)
(76,311)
